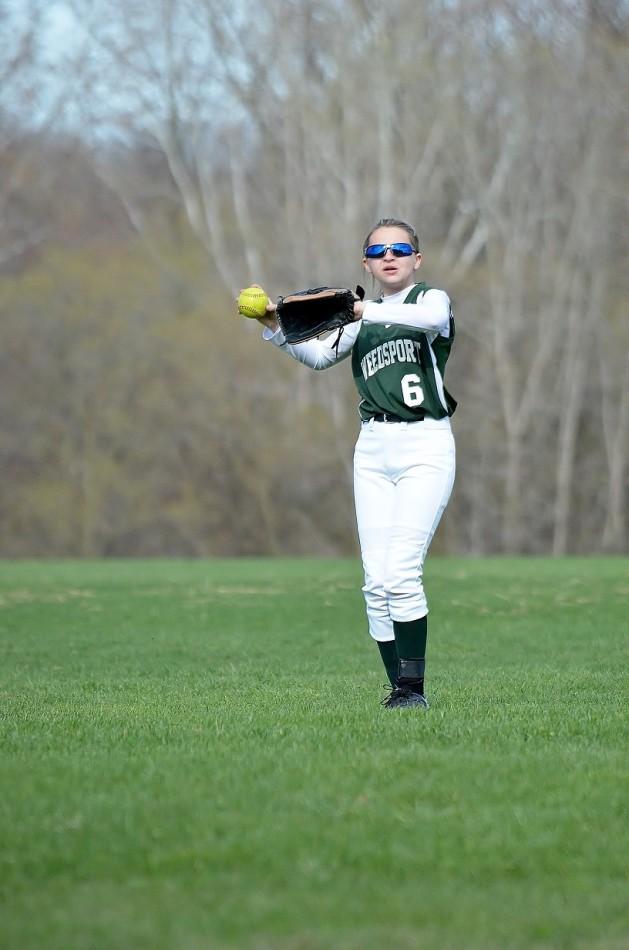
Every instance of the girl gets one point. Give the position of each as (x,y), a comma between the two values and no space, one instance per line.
(405,458)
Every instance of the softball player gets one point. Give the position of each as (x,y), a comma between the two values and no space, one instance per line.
(404,459)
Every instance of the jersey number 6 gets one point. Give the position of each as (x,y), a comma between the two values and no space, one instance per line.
(412,392)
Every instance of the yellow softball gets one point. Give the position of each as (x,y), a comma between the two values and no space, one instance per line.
(252,302)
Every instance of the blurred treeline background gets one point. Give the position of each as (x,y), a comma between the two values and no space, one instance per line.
(158,155)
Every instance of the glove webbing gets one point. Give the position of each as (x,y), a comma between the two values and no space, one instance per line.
(360,293)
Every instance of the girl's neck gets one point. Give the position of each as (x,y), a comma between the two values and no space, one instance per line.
(394,293)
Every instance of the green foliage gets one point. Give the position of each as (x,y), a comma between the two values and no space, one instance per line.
(142,416)
(193,755)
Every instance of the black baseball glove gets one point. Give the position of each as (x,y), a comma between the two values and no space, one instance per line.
(310,313)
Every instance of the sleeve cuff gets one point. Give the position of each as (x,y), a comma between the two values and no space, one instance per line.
(274,336)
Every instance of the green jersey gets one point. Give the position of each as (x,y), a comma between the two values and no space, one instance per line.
(400,369)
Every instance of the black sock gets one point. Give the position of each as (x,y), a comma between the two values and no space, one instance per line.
(388,652)
(410,641)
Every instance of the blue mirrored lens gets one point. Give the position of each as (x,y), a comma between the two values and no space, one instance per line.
(398,250)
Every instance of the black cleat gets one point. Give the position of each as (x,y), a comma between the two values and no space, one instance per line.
(401,696)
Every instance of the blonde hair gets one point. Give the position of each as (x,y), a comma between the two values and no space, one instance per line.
(394,223)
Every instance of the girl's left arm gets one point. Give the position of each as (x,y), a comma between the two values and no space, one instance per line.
(431,312)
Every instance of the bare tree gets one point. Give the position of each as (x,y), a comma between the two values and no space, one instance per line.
(27,111)
(496,126)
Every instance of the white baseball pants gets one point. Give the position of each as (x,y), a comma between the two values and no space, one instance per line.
(403,477)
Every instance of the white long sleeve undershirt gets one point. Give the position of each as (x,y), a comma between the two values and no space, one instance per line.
(431,314)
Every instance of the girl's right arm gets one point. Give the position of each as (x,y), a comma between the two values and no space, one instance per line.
(317,354)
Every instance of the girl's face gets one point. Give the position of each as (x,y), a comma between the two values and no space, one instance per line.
(392,273)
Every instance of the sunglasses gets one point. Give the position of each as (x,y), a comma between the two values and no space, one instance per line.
(398,250)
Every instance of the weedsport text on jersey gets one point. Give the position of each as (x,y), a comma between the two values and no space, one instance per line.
(399,370)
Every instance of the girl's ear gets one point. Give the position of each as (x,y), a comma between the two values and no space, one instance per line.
(418,260)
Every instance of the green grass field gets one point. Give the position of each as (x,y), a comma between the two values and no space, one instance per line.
(193,755)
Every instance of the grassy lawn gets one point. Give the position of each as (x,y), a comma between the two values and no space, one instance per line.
(193,755)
